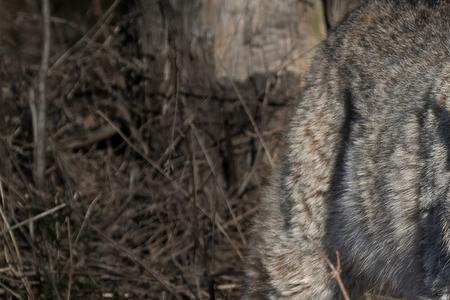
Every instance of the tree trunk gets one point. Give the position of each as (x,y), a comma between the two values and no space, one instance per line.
(202,44)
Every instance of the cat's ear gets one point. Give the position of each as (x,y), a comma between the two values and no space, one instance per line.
(337,10)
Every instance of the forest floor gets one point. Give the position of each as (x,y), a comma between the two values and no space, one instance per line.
(147,195)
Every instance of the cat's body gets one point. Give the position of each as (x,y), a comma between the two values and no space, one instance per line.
(366,170)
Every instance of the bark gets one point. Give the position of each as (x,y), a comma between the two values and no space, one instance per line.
(201,44)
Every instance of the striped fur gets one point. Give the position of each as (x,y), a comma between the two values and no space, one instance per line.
(366,168)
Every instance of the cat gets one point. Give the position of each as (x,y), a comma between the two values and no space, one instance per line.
(363,182)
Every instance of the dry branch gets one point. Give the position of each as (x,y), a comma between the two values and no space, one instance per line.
(41,106)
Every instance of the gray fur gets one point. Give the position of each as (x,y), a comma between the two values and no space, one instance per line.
(366,170)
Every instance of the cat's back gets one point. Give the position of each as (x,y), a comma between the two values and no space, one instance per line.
(391,51)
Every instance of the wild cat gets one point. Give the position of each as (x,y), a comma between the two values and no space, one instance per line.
(366,169)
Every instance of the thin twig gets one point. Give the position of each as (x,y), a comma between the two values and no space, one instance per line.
(85,219)
(224,195)
(69,239)
(335,270)
(97,26)
(41,107)
(145,157)
(7,289)
(23,278)
(336,273)
(253,122)
(34,218)
(170,288)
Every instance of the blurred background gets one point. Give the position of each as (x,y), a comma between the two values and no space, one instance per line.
(135,137)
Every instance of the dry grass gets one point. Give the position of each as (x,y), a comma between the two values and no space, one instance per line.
(147,196)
